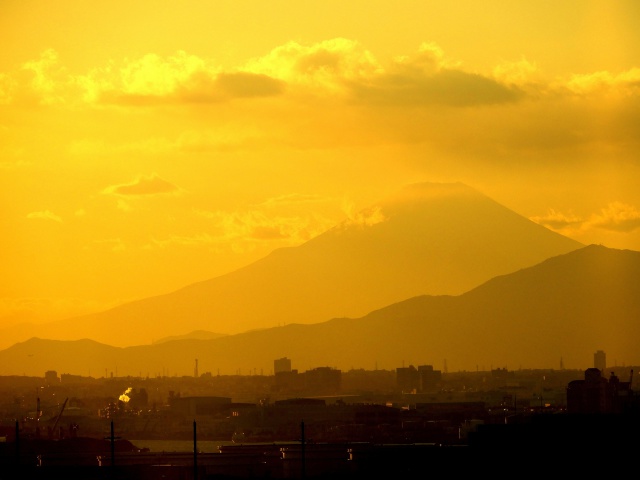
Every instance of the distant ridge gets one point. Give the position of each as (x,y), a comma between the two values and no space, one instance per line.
(566,307)
(435,239)
(195,335)
(560,310)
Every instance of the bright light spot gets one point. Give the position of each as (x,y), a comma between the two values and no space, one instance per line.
(125,396)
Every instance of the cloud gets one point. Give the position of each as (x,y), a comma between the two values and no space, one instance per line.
(364,218)
(247,227)
(293,96)
(183,78)
(343,66)
(45,215)
(625,83)
(556,220)
(146,80)
(231,230)
(617,216)
(255,225)
(177,79)
(521,72)
(429,78)
(338,66)
(50,82)
(325,65)
(446,87)
(293,199)
(143,185)
(244,84)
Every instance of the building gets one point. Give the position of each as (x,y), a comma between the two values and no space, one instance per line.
(51,377)
(595,394)
(430,379)
(324,380)
(281,365)
(600,360)
(286,379)
(407,379)
(422,379)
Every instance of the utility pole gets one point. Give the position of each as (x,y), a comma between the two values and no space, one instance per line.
(113,447)
(17,442)
(113,438)
(195,453)
(302,473)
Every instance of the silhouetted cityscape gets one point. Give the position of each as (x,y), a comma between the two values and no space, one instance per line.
(351,414)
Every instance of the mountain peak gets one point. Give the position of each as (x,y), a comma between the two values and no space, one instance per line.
(429,238)
(426,192)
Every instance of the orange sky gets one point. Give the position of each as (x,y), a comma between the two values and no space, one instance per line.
(145,145)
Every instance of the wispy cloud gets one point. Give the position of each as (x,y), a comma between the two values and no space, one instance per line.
(293,199)
(556,220)
(365,217)
(143,185)
(616,217)
(45,215)
(49,81)
(256,225)
(625,83)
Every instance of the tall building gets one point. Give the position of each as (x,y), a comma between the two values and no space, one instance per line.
(51,377)
(421,379)
(430,379)
(600,360)
(408,379)
(281,365)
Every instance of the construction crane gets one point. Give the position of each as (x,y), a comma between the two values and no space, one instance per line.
(60,414)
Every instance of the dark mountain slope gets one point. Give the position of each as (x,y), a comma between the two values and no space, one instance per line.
(566,307)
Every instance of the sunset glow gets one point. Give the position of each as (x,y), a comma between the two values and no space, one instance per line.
(146,146)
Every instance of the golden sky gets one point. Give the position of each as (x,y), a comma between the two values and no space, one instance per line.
(147,145)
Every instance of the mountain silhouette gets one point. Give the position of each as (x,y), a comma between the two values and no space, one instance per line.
(561,310)
(428,239)
(195,335)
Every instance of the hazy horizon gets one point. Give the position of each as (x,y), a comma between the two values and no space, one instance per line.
(426,239)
